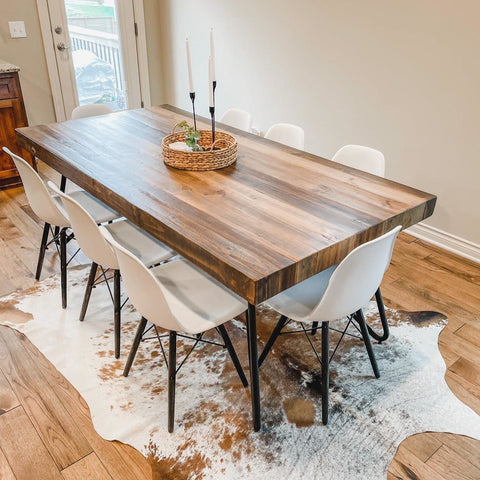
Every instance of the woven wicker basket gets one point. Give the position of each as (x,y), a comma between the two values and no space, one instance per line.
(225,152)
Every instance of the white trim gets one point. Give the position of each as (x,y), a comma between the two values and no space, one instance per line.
(143,72)
(128,43)
(446,240)
(47,38)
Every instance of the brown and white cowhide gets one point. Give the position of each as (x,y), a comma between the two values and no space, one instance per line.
(213,437)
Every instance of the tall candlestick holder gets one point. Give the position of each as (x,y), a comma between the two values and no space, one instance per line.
(192,98)
(212,111)
(212,116)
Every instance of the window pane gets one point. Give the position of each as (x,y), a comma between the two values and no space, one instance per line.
(94,34)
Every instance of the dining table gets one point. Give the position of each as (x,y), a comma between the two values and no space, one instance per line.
(274,218)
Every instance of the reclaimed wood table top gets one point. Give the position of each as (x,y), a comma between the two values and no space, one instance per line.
(274,218)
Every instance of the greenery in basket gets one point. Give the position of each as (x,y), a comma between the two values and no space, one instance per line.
(191,136)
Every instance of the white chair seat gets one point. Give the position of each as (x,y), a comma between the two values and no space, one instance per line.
(98,210)
(299,301)
(149,250)
(197,301)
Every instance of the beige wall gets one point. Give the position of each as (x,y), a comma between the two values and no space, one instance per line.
(400,76)
(154,49)
(28,54)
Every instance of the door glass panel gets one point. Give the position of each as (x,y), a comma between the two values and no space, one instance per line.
(95,44)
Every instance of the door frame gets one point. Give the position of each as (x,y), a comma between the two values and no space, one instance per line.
(49,46)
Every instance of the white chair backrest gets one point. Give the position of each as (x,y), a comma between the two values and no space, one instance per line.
(291,135)
(87,234)
(357,278)
(37,193)
(143,288)
(363,158)
(84,111)
(237,118)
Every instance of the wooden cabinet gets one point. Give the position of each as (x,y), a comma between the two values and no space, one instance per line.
(12,115)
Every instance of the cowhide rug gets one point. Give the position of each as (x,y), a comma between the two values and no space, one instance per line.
(213,437)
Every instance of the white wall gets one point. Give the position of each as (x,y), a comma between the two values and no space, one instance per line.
(400,76)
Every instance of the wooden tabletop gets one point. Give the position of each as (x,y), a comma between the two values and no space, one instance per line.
(273,219)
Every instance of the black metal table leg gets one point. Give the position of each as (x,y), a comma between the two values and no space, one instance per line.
(172,373)
(63,265)
(383,318)
(254,379)
(116,311)
(325,371)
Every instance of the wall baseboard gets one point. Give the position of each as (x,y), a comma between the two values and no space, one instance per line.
(446,240)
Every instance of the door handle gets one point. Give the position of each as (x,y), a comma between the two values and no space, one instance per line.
(62,47)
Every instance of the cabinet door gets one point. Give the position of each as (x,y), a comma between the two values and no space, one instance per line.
(7,137)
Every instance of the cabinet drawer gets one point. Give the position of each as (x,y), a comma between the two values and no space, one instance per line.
(8,87)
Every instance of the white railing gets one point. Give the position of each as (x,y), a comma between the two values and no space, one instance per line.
(104,45)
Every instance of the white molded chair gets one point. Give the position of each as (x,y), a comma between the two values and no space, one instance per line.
(371,161)
(291,135)
(237,118)
(363,158)
(338,292)
(84,111)
(48,208)
(178,297)
(149,250)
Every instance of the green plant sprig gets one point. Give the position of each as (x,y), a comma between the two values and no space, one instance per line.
(192,136)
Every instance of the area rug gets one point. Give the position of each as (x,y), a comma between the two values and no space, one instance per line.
(213,437)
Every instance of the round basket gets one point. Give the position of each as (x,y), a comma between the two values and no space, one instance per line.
(221,154)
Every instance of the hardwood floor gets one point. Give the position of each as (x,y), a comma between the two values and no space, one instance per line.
(40,410)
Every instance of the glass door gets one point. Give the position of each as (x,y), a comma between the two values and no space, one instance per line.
(95,49)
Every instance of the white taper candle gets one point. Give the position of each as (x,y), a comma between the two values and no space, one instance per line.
(210,81)
(189,65)
(212,54)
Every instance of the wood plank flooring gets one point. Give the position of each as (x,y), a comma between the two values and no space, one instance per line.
(45,426)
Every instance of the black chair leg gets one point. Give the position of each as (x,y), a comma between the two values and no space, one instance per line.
(325,371)
(41,254)
(116,311)
(172,367)
(276,332)
(314,327)
(233,354)
(366,338)
(136,343)
(383,318)
(63,265)
(88,290)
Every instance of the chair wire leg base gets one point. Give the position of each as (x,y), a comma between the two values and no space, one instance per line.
(360,318)
(383,318)
(233,354)
(88,290)
(276,332)
(41,254)
(136,343)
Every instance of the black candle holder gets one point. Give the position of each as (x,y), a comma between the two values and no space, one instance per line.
(212,116)
(192,97)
